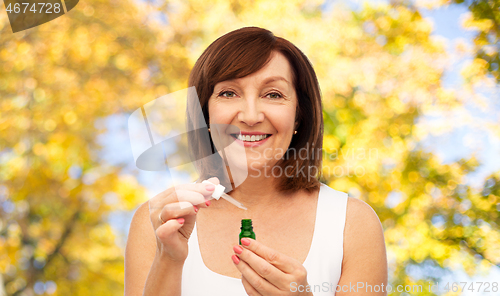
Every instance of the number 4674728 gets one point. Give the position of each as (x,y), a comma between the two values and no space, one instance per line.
(49,8)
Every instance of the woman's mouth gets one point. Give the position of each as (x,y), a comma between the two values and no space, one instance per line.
(251,140)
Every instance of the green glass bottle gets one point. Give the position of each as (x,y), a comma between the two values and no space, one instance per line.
(246,229)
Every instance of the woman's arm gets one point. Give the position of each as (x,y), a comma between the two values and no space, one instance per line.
(146,273)
(157,243)
(365,259)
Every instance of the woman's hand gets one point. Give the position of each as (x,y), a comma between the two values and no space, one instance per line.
(267,272)
(173,214)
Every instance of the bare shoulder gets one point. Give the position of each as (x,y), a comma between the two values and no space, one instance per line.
(141,227)
(360,216)
(365,258)
(362,227)
(141,236)
(140,251)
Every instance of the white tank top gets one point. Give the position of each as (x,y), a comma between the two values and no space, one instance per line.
(323,262)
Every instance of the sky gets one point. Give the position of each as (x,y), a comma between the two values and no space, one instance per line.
(462,142)
(465,139)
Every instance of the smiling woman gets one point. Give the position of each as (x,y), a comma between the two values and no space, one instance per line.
(248,70)
(260,92)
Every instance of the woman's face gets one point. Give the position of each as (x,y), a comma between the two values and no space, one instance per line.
(262,107)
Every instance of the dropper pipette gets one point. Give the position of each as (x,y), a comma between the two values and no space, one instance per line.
(219,192)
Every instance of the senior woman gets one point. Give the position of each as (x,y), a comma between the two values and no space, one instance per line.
(311,239)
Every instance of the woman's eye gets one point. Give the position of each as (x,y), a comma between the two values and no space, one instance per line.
(277,95)
(273,95)
(221,94)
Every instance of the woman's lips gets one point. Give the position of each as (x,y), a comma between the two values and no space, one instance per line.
(251,144)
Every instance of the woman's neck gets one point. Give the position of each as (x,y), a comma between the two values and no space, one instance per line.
(258,193)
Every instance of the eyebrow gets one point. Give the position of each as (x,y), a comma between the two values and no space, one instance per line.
(274,78)
(267,80)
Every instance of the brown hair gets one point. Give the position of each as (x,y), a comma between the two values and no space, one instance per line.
(240,53)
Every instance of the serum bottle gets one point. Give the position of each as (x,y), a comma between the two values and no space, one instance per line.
(246,229)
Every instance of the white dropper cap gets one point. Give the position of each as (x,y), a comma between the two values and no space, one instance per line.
(219,192)
(219,189)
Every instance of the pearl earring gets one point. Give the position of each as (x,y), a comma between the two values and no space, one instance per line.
(295,132)
(208,129)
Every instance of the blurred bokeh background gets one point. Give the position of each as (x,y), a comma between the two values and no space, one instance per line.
(412,127)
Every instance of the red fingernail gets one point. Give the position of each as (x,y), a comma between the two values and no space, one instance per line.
(207,203)
(180,220)
(195,209)
(235,258)
(238,249)
(245,241)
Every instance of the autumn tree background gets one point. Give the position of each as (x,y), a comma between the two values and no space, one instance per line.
(381,73)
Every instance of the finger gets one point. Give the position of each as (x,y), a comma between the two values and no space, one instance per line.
(281,261)
(191,197)
(171,195)
(168,230)
(248,288)
(214,180)
(256,281)
(178,196)
(202,188)
(263,268)
(174,211)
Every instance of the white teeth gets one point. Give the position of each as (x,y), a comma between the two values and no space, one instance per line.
(253,138)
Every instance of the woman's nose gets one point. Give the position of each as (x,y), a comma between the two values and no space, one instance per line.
(250,112)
